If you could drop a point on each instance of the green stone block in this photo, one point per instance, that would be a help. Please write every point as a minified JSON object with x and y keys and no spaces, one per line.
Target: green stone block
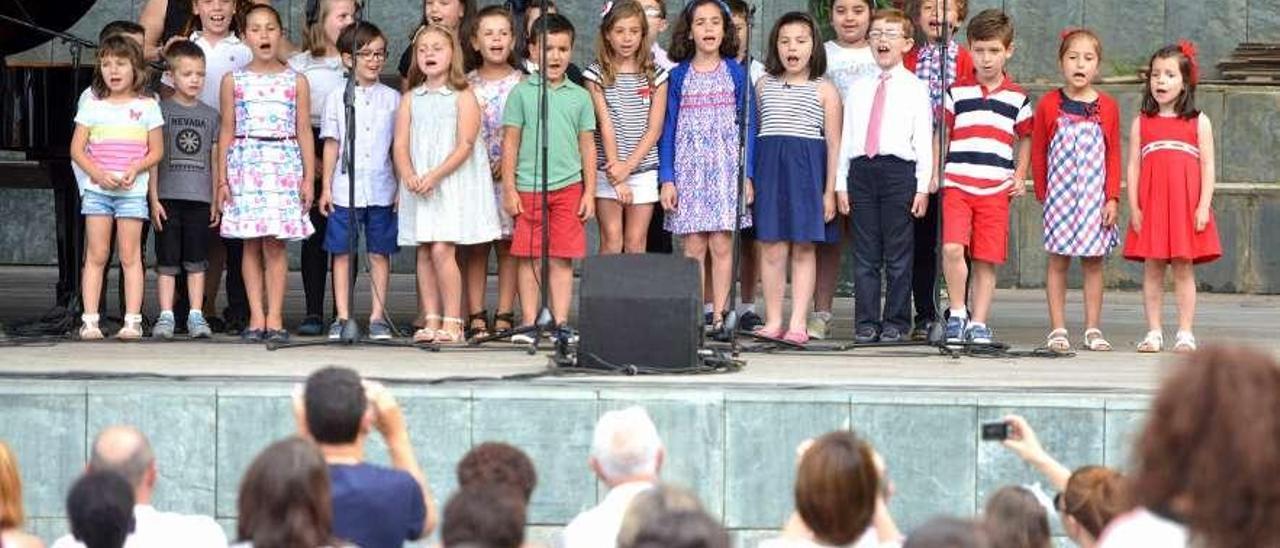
{"x":246,"y":425}
{"x":46,"y":433}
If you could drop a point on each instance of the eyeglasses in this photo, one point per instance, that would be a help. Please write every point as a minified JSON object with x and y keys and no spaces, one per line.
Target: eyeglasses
{"x":885,"y":34}
{"x":380,"y":55}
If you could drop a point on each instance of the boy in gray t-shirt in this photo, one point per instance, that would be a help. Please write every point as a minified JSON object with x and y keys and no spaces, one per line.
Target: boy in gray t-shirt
{"x":182,"y":208}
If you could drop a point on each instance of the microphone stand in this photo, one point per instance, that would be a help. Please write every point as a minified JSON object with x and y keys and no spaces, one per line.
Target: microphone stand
{"x":351,"y":335}
{"x":937,"y":333}
{"x":729,"y":315}
{"x":545,"y":322}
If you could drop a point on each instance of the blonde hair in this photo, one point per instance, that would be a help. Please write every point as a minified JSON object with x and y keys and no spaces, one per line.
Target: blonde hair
{"x":457,"y":79}
{"x":11,"y":515}
{"x":604,"y":50}
{"x":313,"y":40}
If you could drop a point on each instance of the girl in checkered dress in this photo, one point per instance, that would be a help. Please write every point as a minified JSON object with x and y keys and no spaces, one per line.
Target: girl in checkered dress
{"x":1076,"y":166}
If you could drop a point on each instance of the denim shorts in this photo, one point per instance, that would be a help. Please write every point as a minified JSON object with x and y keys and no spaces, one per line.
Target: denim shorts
{"x":120,"y":207}
{"x":380,"y":228}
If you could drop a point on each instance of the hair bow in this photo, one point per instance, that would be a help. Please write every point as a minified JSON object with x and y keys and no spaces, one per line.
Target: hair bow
{"x":1188,"y":49}
{"x":608,"y":6}
{"x":1067,"y":32}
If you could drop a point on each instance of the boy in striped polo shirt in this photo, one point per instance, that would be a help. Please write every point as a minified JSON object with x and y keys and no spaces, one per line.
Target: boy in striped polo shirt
{"x":986,"y":164}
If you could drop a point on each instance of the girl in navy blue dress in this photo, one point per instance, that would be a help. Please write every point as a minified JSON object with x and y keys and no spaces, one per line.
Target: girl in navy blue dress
{"x":795,"y":169}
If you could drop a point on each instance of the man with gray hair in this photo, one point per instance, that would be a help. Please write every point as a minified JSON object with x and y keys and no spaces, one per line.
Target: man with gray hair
{"x":626,"y":454}
{"x":126,"y":451}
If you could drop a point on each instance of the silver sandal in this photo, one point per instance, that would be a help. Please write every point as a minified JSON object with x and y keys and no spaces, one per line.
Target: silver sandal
{"x":1152,"y":343}
{"x":1093,"y":340}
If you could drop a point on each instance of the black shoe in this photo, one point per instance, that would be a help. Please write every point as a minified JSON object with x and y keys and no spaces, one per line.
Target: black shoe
{"x":708,"y":319}
{"x":251,"y":335}
{"x":749,"y":322}
{"x":311,"y":326}
{"x":866,"y":335}
{"x":216,"y":324}
{"x":921,"y":332}
{"x":891,"y":335}
{"x":276,"y":336}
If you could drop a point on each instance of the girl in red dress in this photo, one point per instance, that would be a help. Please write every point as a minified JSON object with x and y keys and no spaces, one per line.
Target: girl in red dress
{"x":1171,"y":217}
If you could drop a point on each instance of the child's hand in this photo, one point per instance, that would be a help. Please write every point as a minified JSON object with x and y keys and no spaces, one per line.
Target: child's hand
{"x":618,"y":171}
{"x":428,"y":184}
{"x":1017,"y":189}
{"x":223,"y":199}
{"x":395,"y":202}
{"x":215,"y":214}
{"x":668,"y":196}
{"x":511,"y":203}
{"x":1202,"y":218}
{"x":126,"y":179}
{"x":158,"y":215}
{"x":104,"y":179}
{"x":326,"y":203}
{"x":1135,"y":219}
{"x":748,"y":192}
{"x":828,"y":206}
{"x":306,"y":197}
{"x":920,"y":205}
{"x":625,"y":196}
{"x":842,"y":202}
{"x":587,"y":208}
{"x":933,"y":184}
{"x":1109,"y":213}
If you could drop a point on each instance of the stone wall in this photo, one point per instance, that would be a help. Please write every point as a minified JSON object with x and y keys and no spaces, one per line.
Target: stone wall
{"x":734,"y":447}
{"x":1130,"y":30}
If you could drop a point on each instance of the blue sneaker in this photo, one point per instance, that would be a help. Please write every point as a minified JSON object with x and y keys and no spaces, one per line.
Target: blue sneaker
{"x":978,"y":334}
{"x":955,"y":329}
{"x":163,"y":329}
{"x":335,"y":330}
{"x":311,"y":326}
{"x":379,"y":330}
{"x":197,"y":326}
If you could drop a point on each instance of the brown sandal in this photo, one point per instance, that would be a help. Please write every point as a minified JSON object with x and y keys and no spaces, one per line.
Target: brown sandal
{"x":450,"y":335}
{"x":476,"y":331}
{"x":508,"y":318}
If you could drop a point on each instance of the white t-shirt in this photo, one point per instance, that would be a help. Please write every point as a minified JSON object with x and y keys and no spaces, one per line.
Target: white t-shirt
{"x":756,"y":71}
{"x":324,"y":76}
{"x":376,"y":120}
{"x":847,"y":65}
{"x":1142,"y":528}
{"x":599,"y":526}
{"x":867,"y":540}
{"x":155,"y":529}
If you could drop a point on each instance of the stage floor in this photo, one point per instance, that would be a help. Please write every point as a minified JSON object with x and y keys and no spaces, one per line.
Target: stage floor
{"x":25,"y":292}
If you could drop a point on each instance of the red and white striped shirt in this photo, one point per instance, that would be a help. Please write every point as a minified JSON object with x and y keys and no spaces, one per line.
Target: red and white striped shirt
{"x":985,"y":126}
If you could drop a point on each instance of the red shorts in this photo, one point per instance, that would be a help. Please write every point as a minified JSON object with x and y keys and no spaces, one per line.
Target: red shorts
{"x":980,"y":223}
{"x":566,"y":233}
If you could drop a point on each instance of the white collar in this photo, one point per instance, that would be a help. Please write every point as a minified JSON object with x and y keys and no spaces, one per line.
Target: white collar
{"x":231,"y":38}
{"x":424,"y":90}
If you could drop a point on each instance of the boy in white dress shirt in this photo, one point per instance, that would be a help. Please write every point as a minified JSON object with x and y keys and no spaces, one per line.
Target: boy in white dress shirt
{"x":375,"y":182}
{"x":885,"y":158}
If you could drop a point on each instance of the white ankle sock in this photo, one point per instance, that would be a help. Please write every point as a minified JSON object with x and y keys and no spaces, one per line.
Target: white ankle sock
{"x":963,"y":313}
{"x":90,"y":319}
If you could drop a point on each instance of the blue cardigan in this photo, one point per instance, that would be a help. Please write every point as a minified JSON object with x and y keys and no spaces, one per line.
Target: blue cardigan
{"x":675,"y":90}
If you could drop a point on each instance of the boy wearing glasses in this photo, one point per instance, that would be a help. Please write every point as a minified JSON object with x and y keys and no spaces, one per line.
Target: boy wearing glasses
{"x":375,"y":181}
{"x":885,"y":157}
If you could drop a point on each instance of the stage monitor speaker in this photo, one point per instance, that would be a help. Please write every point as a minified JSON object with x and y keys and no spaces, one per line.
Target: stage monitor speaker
{"x":642,"y":311}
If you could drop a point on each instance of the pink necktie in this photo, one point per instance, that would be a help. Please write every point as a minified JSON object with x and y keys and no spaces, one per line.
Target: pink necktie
{"x":877,"y":112}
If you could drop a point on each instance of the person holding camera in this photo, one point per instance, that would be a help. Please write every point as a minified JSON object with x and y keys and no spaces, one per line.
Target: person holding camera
{"x":373,"y":506}
{"x":1089,"y":497}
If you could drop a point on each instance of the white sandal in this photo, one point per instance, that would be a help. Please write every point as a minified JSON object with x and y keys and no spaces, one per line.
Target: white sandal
{"x":1058,"y":341}
{"x":1184,"y":341}
{"x":1093,"y":340}
{"x":1152,"y":343}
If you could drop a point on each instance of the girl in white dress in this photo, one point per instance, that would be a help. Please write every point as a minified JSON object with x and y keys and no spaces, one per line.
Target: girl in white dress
{"x":446,"y":189}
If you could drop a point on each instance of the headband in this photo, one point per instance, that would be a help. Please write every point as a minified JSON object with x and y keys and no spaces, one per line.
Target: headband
{"x":1188,"y":49}
{"x":723,"y":6}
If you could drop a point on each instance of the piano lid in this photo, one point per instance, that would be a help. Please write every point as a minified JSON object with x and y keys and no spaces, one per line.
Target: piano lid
{"x":57,"y":15}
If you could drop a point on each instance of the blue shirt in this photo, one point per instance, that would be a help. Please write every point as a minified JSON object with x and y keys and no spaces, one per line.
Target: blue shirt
{"x":375,"y":506}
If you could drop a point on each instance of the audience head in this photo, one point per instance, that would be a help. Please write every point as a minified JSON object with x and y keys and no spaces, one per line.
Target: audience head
{"x":1015,"y":519}
{"x":836,"y":487}
{"x":100,"y":509}
{"x":626,"y":447}
{"x":1094,"y":496}
{"x":1208,"y":452}
{"x":498,"y":463}
{"x":484,"y":516}
{"x":125,"y":450}
{"x":337,"y":410}
{"x":11,"y":514}
{"x":682,"y":529}
{"x":284,"y":497}
{"x":947,"y":532}
{"x":649,"y":505}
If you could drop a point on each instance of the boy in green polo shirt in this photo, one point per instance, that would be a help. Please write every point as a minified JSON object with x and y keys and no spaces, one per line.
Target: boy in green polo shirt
{"x":570,"y":177}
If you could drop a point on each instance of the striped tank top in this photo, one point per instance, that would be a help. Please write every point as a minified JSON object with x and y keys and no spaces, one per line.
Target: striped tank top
{"x":628,"y":101}
{"x":790,"y":110}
